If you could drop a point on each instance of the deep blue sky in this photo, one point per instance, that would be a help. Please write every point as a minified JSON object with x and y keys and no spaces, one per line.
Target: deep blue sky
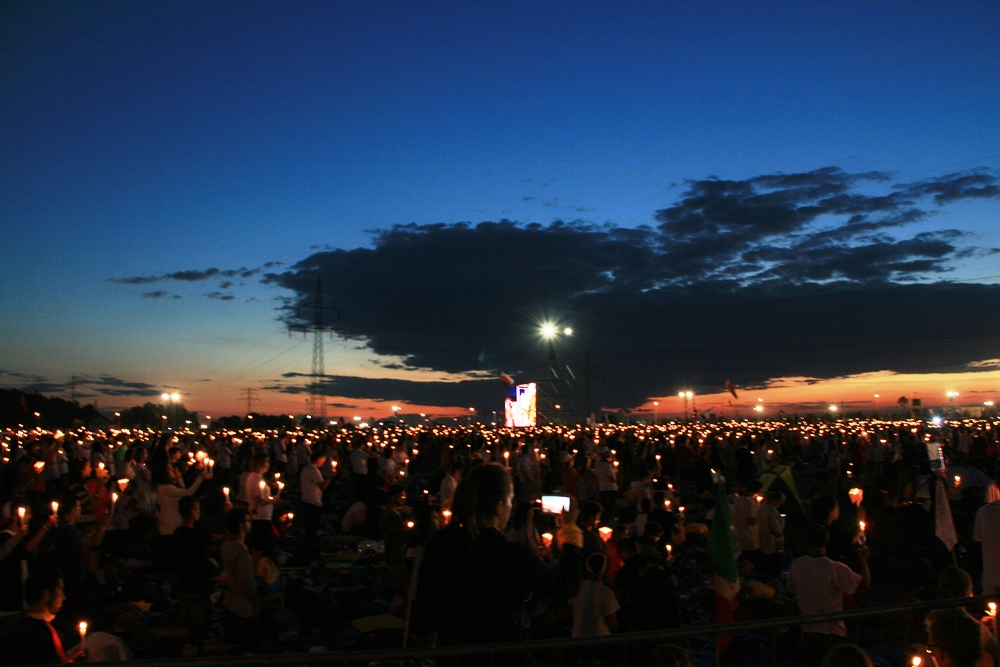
{"x":145,"y":139}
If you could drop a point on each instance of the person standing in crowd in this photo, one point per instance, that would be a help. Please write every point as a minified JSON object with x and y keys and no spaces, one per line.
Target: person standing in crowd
{"x":986,"y":531}
{"x":771,"y":534}
{"x":819,"y":585}
{"x":746,"y":507}
{"x":169,"y":493}
{"x":449,"y":484}
{"x":260,"y":504}
{"x":311,"y":487}
{"x":473,"y":583}
{"x":242,"y":603}
{"x":595,"y":607}
{"x":607,"y":482}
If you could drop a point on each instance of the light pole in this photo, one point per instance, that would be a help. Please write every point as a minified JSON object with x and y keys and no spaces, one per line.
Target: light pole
{"x":687,"y":396}
{"x":656,"y":412}
{"x":878,"y":405}
{"x":952,"y":395}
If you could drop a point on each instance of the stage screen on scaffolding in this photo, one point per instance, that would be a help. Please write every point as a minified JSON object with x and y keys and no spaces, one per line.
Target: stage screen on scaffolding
{"x":519,"y":406}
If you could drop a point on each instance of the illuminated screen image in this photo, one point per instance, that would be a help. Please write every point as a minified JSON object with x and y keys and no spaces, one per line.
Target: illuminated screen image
{"x":519,"y":406}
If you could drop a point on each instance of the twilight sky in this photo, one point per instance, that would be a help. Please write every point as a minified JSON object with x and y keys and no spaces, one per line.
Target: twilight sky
{"x":802,"y":198}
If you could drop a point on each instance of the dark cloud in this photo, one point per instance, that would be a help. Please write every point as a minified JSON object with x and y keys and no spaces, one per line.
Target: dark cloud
{"x":190,"y":276}
{"x":220,"y":296}
{"x":779,"y":275}
{"x":159,"y":294}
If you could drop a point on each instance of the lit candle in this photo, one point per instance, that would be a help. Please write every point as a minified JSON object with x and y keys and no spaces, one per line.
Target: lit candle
{"x":114,"y":499}
{"x":100,"y":465}
{"x":83,"y":632}
{"x":992,"y":609}
{"x":39,"y":465}
{"x":55,"y":506}
{"x":916,"y":662}
{"x":410,"y":524}
{"x":605,"y":532}
{"x":225,"y":492}
{"x":856,"y":495}
{"x":20,"y":517}
{"x":446,"y":515}
{"x":291,"y":515}
{"x":263,"y":486}
{"x":547,"y":539}
{"x":861,"y":526}
{"x":670,"y":551}
{"x":958,"y":480}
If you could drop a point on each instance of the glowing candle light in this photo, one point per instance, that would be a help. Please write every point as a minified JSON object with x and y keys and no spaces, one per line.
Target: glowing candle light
{"x":992,"y":609}
{"x":446,"y":515}
{"x":122,"y":484}
{"x":225,"y":492}
{"x":547,"y":539}
{"x":39,"y":465}
{"x":670,"y":551}
{"x":410,"y":524}
{"x":856,"y":495}
{"x":291,"y":515}
{"x":114,"y":499}
{"x":861,"y":526}
{"x":958,"y":480}
{"x":83,"y":631}
{"x":20,"y":517}
{"x":55,"y":506}
{"x":605,"y":532}
{"x":916,"y":662}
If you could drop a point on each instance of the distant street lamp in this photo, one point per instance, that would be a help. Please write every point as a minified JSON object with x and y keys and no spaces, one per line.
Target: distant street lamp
{"x":656,"y":412}
{"x":687,"y":396}
{"x":878,"y":405}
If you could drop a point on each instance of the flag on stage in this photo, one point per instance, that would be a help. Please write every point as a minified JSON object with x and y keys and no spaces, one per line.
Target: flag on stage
{"x":731,"y":388}
{"x":722,"y":552}
{"x":944,"y":525}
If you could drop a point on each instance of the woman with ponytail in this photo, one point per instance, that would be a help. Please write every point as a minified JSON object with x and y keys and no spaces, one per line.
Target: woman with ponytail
{"x":473,"y":584}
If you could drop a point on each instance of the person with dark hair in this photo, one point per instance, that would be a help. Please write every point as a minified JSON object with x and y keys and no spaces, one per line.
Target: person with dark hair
{"x":19,"y":540}
{"x":169,"y":492}
{"x":472,"y":584}
{"x":242,"y":603}
{"x":955,"y":638}
{"x":311,"y":488}
{"x":647,"y":589}
{"x":35,"y":640}
{"x":771,"y":531}
{"x":819,"y":585}
{"x":589,"y":520}
{"x":260,"y":504}
{"x":595,"y":606}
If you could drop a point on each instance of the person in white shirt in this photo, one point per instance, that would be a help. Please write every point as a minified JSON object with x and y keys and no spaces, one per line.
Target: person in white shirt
{"x":311,"y":487}
{"x":449,"y":484}
{"x":260,"y":504}
{"x":746,"y":506}
{"x":819,"y":585}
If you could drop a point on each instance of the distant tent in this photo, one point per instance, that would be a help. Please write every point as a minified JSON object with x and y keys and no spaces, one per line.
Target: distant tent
{"x":779,"y":478}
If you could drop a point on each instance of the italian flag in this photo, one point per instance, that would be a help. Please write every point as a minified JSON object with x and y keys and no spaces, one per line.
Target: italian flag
{"x":722,"y":551}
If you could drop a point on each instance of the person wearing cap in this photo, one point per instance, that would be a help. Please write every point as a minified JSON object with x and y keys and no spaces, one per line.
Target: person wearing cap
{"x":568,"y":477}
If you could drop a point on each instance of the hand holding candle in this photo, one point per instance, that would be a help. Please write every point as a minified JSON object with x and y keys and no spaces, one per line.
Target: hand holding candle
{"x":861,"y":535}
{"x":20,"y":517}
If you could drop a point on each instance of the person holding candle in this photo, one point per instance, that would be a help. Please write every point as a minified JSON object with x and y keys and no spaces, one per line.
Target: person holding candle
{"x":955,"y":638}
{"x":819,"y":585}
{"x":35,"y":640}
{"x":260,"y":504}
{"x":450,"y":483}
{"x":311,"y":488}
{"x":17,"y":547}
{"x":242,"y":603}
{"x":169,"y":493}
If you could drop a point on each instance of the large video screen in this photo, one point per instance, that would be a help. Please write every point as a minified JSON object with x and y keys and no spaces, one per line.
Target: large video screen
{"x":519,"y":406}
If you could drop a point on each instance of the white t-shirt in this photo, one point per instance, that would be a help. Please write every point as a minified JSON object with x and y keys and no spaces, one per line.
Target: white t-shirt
{"x":309,"y":481}
{"x":256,"y":494}
{"x":819,"y":585}
{"x":986,"y":530}
{"x":591,"y":608}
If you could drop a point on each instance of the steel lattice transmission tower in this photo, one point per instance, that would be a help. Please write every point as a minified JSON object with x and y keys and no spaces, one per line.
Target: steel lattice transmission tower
{"x":317,"y":326}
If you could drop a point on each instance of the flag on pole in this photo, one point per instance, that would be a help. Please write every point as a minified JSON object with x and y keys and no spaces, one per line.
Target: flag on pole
{"x":944,"y":525}
{"x":731,"y":388}
{"x":722,"y":552}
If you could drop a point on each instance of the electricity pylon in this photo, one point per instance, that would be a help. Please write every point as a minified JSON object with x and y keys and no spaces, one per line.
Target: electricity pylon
{"x":317,"y":327}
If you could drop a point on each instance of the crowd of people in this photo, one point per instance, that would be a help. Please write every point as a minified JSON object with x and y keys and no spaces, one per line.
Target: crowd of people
{"x":125,"y":542}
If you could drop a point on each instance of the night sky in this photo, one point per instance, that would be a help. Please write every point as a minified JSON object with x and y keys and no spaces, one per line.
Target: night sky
{"x":801,"y":198}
